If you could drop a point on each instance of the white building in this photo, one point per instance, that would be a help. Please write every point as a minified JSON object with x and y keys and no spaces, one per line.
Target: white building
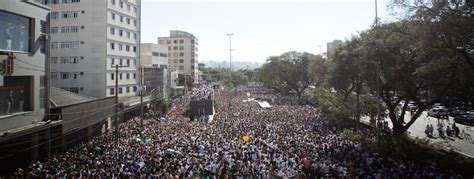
{"x":153,"y":55}
{"x":183,"y":52}
{"x":88,"y":37}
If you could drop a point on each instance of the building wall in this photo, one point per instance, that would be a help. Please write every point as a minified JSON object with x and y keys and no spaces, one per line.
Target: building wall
{"x":100,"y":26}
{"x":28,"y":70}
{"x":182,"y":52}
{"x":153,"y":55}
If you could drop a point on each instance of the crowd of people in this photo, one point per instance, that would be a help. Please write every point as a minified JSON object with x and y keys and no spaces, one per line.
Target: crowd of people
{"x":284,"y":140}
{"x":202,"y":92}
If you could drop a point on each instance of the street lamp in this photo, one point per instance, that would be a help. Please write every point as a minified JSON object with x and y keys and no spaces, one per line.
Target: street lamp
{"x":230,"y":50}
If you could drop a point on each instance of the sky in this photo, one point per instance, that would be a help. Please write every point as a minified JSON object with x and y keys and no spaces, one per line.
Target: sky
{"x":261,"y":28}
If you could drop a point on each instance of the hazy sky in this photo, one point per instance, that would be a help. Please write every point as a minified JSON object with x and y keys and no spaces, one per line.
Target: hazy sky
{"x":261,"y":28}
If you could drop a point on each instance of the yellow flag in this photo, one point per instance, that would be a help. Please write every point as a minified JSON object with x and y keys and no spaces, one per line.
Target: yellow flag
{"x":245,"y":138}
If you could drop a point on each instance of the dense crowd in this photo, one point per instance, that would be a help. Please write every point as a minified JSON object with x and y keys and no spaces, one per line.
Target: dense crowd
{"x":285,"y":140}
{"x":201,"y":92}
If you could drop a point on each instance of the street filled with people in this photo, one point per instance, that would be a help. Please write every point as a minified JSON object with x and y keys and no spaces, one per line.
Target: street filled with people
{"x":243,"y":140}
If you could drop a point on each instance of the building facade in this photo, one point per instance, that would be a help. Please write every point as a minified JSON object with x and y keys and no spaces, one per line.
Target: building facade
{"x":153,"y":55}
{"x":182,"y":52}
{"x":331,"y":46}
{"x":22,"y":46}
{"x":89,"y":38}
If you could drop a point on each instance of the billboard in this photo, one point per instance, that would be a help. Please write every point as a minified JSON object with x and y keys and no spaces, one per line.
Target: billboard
{"x":14,"y":33}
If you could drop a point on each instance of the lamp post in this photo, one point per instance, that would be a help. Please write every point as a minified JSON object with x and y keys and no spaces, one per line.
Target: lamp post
{"x":320,"y":51}
{"x":230,"y":50}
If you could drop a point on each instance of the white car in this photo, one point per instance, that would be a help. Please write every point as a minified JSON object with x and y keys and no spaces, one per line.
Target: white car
{"x":439,"y":111}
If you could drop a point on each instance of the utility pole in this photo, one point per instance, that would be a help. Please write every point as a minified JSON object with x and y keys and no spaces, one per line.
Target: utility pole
{"x":320,"y":51}
{"x":117,"y":121}
{"x":142,"y":90}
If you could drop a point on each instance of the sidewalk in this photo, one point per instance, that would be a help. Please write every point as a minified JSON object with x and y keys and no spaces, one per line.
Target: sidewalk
{"x":417,"y":131}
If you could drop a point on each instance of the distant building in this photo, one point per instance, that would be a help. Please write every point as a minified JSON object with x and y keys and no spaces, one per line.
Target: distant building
{"x":333,"y":45}
{"x":182,"y":52}
{"x":88,"y":37}
{"x":155,"y":80}
{"x":153,"y":55}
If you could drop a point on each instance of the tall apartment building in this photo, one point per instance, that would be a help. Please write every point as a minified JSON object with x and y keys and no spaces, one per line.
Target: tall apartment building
{"x":182,"y":52}
{"x":88,"y":38}
{"x":331,"y":46}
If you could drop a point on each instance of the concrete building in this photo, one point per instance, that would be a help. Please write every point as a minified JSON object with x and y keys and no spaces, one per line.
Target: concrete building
{"x":182,"y":52}
{"x":332,"y":45}
{"x":22,"y":87}
{"x":88,"y":38}
{"x":153,"y":55}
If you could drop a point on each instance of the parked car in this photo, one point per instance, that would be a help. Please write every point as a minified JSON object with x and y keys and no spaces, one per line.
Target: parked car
{"x":454,"y":112}
{"x":439,"y":111}
{"x":467,"y":118}
{"x":412,"y":106}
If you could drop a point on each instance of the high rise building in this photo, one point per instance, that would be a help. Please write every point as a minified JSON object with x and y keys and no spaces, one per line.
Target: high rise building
{"x":90,"y":37}
{"x":332,"y":45}
{"x":153,"y":55}
{"x":182,"y":52}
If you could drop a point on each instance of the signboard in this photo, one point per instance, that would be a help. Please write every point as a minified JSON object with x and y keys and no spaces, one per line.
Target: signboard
{"x":14,"y":33}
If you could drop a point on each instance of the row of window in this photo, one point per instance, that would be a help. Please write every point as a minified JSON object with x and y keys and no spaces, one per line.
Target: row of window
{"x":158,"y":54}
{"x":176,"y":60}
{"x":122,"y":33}
{"x":65,"y":75}
{"x":123,"y":18}
{"x":70,"y":44}
{"x":176,"y":48}
{"x":123,"y":75}
{"x":121,"y":47}
{"x":63,"y":1}
{"x":66,"y":60}
{"x":129,"y":6}
{"x":120,"y":62}
{"x":162,"y":42}
{"x":66,"y":14}
{"x":120,"y":90}
{"x":65,"y":29}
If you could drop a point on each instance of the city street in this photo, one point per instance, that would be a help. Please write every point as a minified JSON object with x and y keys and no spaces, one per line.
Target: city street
{"x":417,"y":131}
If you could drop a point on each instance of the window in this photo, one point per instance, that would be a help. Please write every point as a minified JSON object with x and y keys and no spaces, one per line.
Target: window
{"x":113,"y":16}
{"x":128,"y":34}
{"x":134,"y":49}
{"x":74,"y":60}
{"x":181,"y":47}
{"x":121,"y":4}
{"x":128,"y":7}
{"x":65,"y":29}
{"x":120,"y":33}
{"x":128,"y":63}
{"x":168,"y":42}
{"x":127,"y":48}
{"x":134,"y":63}
{"x":181,"y":67}
{"x":128,"y":76}
{"x":54,"y":30}
{"x":54,"y":44}
{"x":70,"y":14}
{"x":112,"y":76}
{"x":120,"y":76}
{"x":54,"y":75}
{"x":54,"y":60}
{"x":134,"y":23}
{"x":119,"y":90}
{"x":112,"y":46}
{"x":112,"y":31}
{"x":175,"y":48}
{"x":134,"y":88}
{"x":64,"y":44}
{"x":121,"y":62}
{"x":161,"y":42}
{"x":127,"y":90}
{"x":112,"y":91}
{"x":112,"y":61}
{"x":181,"y":60}
{"x":65,"y":75}
{"x":120,"y":47}
{"x":128,"y":20}
{"x":74,"y":29}
{"x":64,"y":60}
{"x":134,"y":35}
{"x":134,"y":76}
{"x":121,"y":18}
{"x":181,"y":41}
{"x":175,"y":54}
{"x":175,"y":61}
{"x":175,"y":41}
{"x":135,"y":9}
{"x":169,"y":48}
{"x":74,"y":44}
{"x":113,"y":2}
{"x":54,"y":15}
{"x":75,"y":76}
{"x":181,"y":54}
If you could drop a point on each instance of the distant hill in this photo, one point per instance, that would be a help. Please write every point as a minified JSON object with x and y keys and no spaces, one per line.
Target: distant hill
{"x":235,"y":65}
